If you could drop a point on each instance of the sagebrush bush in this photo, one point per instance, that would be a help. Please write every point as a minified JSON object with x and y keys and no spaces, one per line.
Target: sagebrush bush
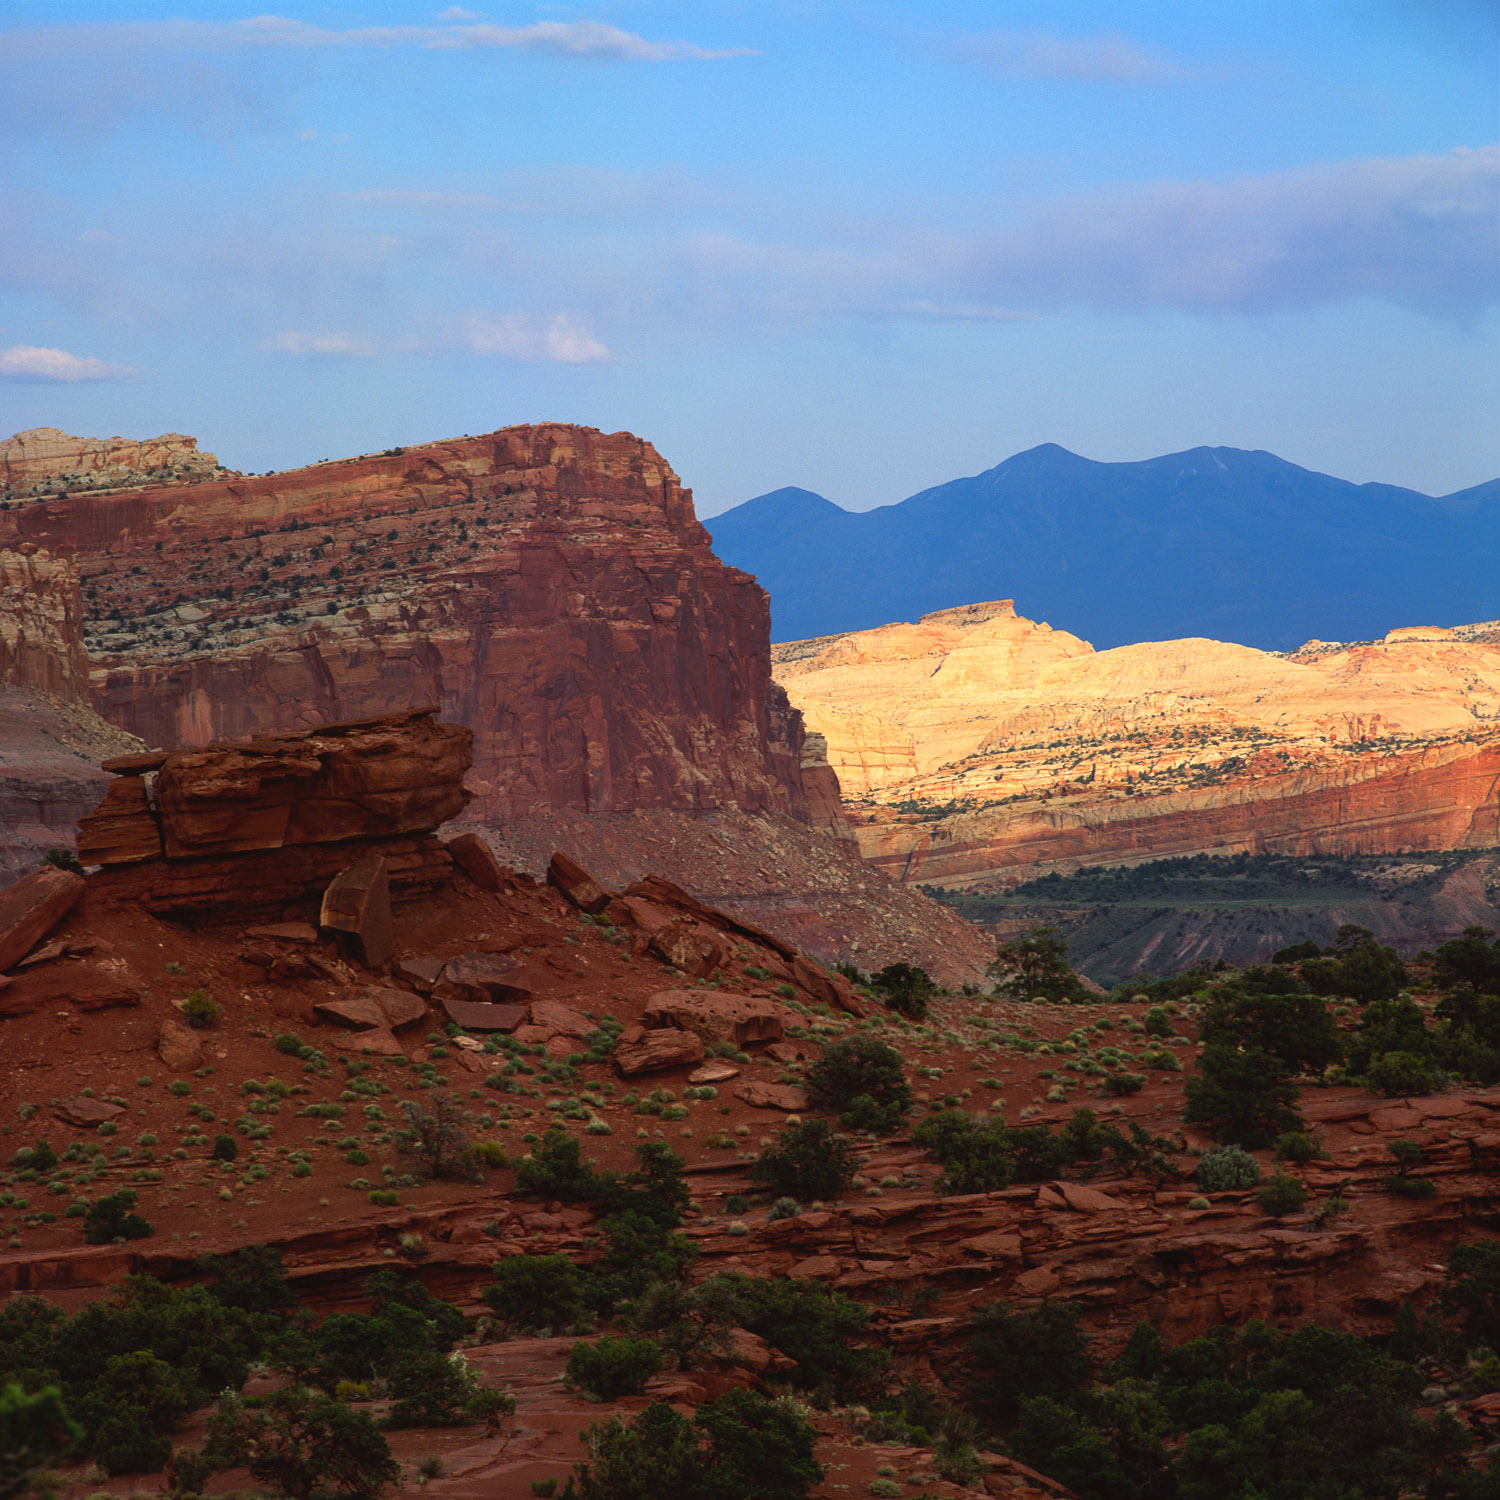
{"x":1228,"y":1169}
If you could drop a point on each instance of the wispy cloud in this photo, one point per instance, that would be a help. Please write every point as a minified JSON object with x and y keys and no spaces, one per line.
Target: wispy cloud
{"x":963,"y":312}
{"x":1417,"y":231}
{"x":56,"y":366}
{"x":582,"y":39}
{"x":1104,"y":57}
{"x":293,"y":341}
{"x":562,"y":338}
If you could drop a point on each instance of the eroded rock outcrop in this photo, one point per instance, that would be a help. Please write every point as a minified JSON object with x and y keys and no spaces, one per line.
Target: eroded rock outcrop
{"x":239,"y":831}
{"x":46,"y":459}
{"x":548,"y":586}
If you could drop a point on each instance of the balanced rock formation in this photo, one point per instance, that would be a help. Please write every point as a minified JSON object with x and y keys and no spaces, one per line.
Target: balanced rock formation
{"x":975,"y":745}
{"x":48,"y":460}
{"x":243,"y":831}
{"x":548,"y":586}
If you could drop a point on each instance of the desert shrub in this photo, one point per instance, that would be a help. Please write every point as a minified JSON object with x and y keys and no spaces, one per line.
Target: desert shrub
{"x":491,"y":1154}
{"x":1281,"y":1194}
{"x":782,"y":1208}
{"x":225,"y":1148}
{"x":1124,"y":1083}
{"x":1401,"y":1073}
{"x":1229,"y":1169}
{"x":1297,"y":1146}
{"x":62,"y":859}
{"x":40,"y":1157}
{"x":109,"y":1219}
{"x":532,"y":1292}
{"x":863,"y":1081}
{"x":685,"y":1321}
{"x":436,"y":1140}
{"x":441,"y":1390}
{"x":807,"y":1161}
{"x":613,"y":1367}
{"x":1158,"y":1022}
{"x":199,"y":1009}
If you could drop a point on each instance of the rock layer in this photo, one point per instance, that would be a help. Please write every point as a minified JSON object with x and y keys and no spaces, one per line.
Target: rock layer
{"x":549,"y":586}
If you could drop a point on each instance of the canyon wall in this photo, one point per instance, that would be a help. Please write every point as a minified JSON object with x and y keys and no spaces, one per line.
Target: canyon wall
{"x":976,"y":748}
{"x":51,"y":741}
{"x":548,"y":586}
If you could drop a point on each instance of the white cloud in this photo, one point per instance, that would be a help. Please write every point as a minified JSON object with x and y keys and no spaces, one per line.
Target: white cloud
{"x":1106,"y":57}
{"x":561,"y":338}
{"x":27,"y":362}
{"x":293,"y":341}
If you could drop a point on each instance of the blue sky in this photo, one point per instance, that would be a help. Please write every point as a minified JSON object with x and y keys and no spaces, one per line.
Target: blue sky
{"x":860,"y":247}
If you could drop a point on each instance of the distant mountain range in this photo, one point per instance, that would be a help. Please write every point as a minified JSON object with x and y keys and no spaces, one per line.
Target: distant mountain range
{"x":1220,"y":542}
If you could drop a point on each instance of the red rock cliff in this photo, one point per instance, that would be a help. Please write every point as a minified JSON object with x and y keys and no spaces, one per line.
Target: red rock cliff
{"x":549,"y":586}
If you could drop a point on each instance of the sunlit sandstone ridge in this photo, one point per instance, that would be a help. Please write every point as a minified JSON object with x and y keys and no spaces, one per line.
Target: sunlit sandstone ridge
{"x":47,"y":460}
{"x":977,"y":746}
{"x":547,"y":585}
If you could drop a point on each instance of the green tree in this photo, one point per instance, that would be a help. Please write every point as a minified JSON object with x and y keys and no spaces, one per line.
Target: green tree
{"x":906,"y":989}
{"x":532,"y":1292}
{"x":309,"y":1446}
{"x":35,"y":1431}
{"x":1035,"y":967}
{"x":1017,"y":1355}
{"x":1245,"y":1094}
{"x":613,"y":1367}
{"x":863,"y":1081}
{"x":807,"y":1161}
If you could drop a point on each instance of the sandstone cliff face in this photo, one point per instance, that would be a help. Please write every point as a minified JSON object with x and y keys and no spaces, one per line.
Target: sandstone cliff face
{"x":47,"y":459}
{"x":976,"y":746}
{"x":548,"y":586}
{"x":41,"y":624}
{"x":51,"y":741}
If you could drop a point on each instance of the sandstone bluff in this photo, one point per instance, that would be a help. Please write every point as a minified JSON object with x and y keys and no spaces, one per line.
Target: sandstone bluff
{"x":975,"y":745}
{"x":547,"y":585}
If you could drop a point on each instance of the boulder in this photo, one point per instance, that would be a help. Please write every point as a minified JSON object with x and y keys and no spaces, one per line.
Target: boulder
{"x":85,"y":1112}
{"x":179,"y":1046}
{"x":691,"y":946}
{"x":31,"y":908}
{"x":771,"y":1096}
{"x":374,"y":1005}
{"x":714,"y":1072}
{"x":663,"y":1048}
{"x":357,"y":910}
{"x":477,"y":860}
{"x":560,"y":1020}
{"x":476,"y":1015}
{"x":716,"y":1015}
{"x":420,"y":973}
{"x":481,"y":976}
{"x":565,"y":874}
{"x":379,"y":1041}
